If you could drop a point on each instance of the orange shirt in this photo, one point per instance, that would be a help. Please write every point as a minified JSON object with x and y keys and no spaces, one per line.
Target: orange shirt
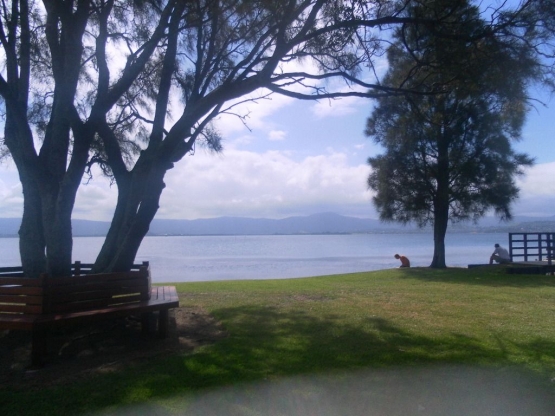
{"x":405,"y":262}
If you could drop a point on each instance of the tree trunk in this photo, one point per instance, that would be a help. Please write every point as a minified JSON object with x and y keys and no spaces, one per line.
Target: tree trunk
{"x":138,"y":202}
{"x":58,"y":236}
{"x":31,"y":234}
{"x":45,"y":237}
{"x":441,"y":199}
{"x":440,"y":228}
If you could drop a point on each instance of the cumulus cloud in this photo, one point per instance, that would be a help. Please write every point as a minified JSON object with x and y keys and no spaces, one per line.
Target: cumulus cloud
{"x":277,"y":135}
{"x":11,"y":197}
{"x":251,"y":111}
{"x":538,"y":181}
{"x":537,"y":191}
{"x":96,"y":200}
{"x":339,"y":107}
{"x":272,"y":185}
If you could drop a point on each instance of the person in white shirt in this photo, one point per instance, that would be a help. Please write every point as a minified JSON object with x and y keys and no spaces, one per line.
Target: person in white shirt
{"x":500,"y":255}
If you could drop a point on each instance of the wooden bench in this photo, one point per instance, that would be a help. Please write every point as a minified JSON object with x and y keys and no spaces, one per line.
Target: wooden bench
{"x":41,"y":304}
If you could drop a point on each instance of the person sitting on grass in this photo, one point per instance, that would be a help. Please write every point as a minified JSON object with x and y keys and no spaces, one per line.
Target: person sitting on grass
{"x":500,"y":255}
{"x":405,"y":262}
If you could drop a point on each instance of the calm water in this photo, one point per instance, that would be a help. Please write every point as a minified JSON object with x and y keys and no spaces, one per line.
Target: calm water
{"x":182,"y":259}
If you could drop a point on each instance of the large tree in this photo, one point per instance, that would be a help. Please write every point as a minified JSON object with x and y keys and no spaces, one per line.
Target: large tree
{"x":448,"y":155}
{"x":95,"y":82}
{"x":90,"y":82}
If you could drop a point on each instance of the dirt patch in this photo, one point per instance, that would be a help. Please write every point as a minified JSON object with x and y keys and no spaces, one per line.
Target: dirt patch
{"x":107,"y":346}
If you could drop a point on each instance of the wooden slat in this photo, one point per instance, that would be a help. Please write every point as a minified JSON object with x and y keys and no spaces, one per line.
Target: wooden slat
{"x":28,"y":299}
{"x":95,"y":278}
{"x":168,"y":293}
{"x":93,"y":304}
{"x":93,"y":294}
{"x":164,"y":294}
{"x":19,"y":290}
{"x":129,"y":284}
{"x":22,"y":281}
{"x":20,"y":308}
{"x":54,"y":319}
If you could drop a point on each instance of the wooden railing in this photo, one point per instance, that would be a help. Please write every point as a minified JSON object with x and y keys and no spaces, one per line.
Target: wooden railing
{"x":532,"y":246}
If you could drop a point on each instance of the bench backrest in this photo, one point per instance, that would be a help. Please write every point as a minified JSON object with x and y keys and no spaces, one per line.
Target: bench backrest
{"x":96,"y":291}
{"x":73,"y":294}
{"x":21,"y":295}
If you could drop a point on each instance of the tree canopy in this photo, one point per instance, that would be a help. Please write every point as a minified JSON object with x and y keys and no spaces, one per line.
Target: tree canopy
{"x":448,"y":155}
{"x":131,"y":86}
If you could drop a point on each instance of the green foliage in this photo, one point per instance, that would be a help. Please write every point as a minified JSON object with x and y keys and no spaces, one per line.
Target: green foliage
{"x":449,"y":152}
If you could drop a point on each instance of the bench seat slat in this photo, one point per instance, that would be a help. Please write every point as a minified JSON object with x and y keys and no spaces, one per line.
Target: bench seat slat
{"x":165,"y":293}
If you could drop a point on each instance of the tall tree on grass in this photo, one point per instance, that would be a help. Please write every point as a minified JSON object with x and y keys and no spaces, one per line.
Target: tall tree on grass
{"x":448,"y":155}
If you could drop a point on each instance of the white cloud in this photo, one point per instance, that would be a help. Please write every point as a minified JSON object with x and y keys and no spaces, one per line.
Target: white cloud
{"x":11,"y":199}
{"x":277,"y":135}
{"x":271,"y":184}
{"x":253,"y":113}
{"x":339,"y":107}
{"x":96,"y":200}
{"x":538,"y":181}
{"x":537,"y":191}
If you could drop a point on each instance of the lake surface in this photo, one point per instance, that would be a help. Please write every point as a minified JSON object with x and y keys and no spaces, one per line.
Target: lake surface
{"x":204,"y":258}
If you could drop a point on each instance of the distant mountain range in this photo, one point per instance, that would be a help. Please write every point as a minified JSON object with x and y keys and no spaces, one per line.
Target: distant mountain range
{"x":325,"y":223}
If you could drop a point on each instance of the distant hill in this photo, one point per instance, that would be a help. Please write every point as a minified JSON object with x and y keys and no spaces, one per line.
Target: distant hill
{"x":9,"y":227}
{"x":325,"y":223}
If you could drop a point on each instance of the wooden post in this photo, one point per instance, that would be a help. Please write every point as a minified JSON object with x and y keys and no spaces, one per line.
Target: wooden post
{"x":77,"y":268}
{"x":145,"y":323}
{"x":511,"y":246}
{"x":38,"y":346}
{"x":145,"y":269}
{"x":163,"y":321}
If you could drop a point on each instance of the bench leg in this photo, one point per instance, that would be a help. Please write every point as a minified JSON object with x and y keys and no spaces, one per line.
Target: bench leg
{"x":145,"y":320}
{"x":38,"y":347}
{"x":163,"y":320}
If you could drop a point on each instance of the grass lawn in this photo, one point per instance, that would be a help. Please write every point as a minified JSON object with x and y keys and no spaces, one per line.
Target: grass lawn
{"x":367,"y":340}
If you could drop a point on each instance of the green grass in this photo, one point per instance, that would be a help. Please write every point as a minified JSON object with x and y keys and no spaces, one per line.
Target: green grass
{"x":391,"y":319}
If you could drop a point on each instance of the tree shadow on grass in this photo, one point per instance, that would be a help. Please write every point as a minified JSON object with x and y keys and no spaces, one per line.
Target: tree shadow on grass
{"x":266,"y":343}
{"x":492,"y":277}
